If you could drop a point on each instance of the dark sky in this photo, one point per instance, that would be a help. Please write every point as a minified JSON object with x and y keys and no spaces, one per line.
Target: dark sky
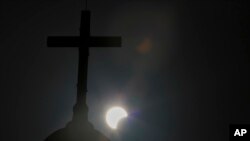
{"x":182,"y":72}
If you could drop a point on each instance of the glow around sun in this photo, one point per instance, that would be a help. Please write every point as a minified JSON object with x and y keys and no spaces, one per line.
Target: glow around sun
{"x":114,"y":115}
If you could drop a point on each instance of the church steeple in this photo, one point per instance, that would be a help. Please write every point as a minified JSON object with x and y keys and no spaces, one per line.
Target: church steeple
{"x":80,"y":128}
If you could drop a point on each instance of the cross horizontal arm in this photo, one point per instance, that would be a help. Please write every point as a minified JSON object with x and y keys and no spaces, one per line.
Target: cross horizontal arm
{"x":77,"y":41}
{"x":105,"y":41}
{"x":63,"y":41}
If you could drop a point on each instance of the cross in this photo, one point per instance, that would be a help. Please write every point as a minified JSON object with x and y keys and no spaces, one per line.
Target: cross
{"x":83,"y":42}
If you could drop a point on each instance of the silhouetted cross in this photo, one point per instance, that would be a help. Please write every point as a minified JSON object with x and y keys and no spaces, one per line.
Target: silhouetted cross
{"x":84,"y":41}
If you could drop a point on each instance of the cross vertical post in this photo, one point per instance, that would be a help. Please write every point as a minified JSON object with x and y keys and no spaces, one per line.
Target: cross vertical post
{"x":83,"y":60}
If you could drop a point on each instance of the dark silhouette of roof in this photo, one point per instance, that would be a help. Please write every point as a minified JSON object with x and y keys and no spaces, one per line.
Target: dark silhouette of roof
{"x":77,"y":132}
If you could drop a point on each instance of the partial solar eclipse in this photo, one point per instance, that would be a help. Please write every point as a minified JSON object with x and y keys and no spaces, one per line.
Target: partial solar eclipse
{"x":114,"y":115}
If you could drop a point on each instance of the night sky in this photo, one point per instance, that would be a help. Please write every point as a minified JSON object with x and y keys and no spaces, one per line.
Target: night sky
{"x":182,"y":72}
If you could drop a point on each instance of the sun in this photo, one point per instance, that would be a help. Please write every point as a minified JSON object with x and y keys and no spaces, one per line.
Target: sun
{"x":114,"y":115}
